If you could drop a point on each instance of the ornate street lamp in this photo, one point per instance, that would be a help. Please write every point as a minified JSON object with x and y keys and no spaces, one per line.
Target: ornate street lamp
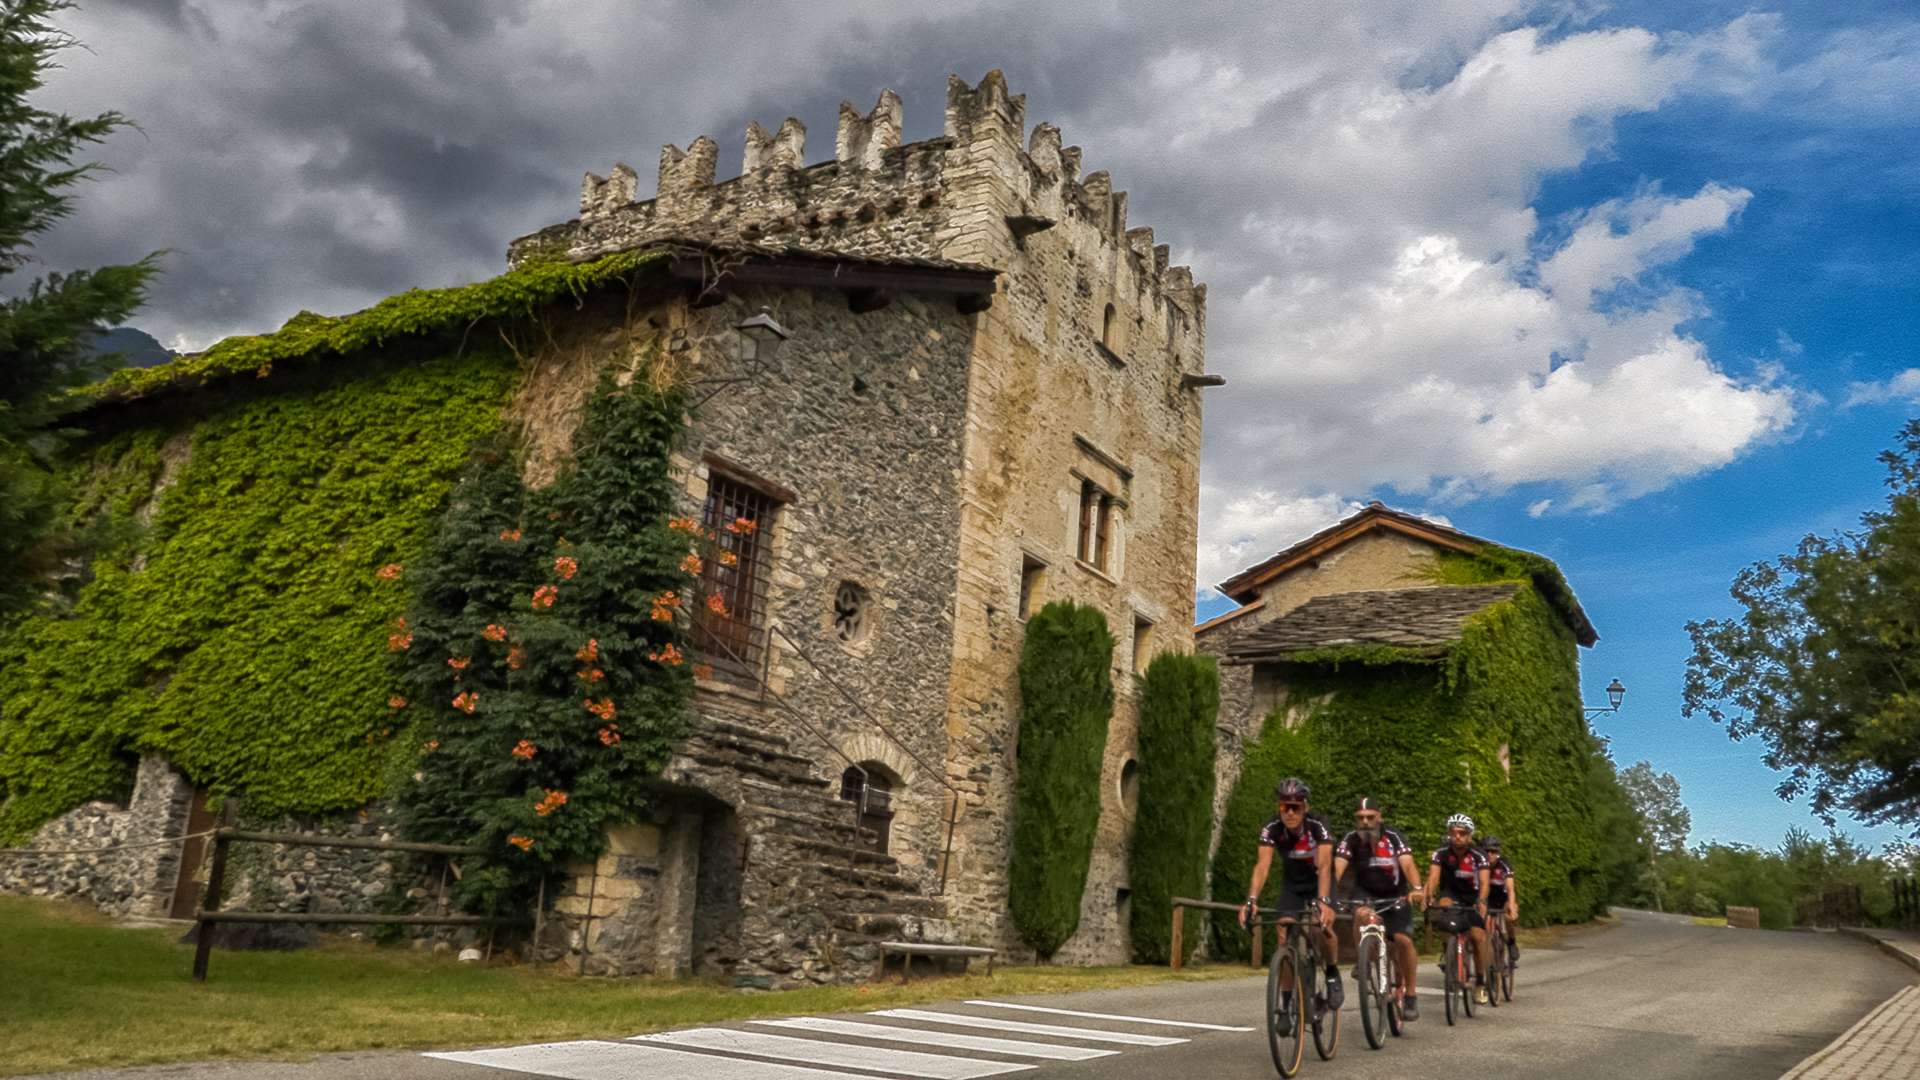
{"x":1616,"y":693}
{"x":760,"y":339}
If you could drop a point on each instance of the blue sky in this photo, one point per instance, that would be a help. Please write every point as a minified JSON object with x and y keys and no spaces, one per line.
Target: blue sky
{"x":1633,"y":285}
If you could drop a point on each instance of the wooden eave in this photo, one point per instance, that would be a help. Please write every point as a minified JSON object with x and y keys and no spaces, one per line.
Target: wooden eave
{"x":869,"y":285}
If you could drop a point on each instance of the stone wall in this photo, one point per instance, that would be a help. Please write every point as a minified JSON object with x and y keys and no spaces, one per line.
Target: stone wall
{"x":129,"y":880}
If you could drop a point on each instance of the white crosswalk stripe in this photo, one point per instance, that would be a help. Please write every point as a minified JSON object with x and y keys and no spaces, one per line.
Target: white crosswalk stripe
{"x":995,"y":1023}
{"x":844,"y":1055}
{"x":591,"y":1060}
{"x":950,"y":1039}
{"x":1109,"y":1016}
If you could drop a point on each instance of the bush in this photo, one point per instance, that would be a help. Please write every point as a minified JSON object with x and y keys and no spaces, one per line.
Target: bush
{"x":1179,"y":701}
{"x":1066,"y":693}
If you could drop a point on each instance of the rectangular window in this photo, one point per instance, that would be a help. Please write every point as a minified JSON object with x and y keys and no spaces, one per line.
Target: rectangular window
{"x":1103,"y":535}
{"x":1033,"y":577}
{"x":1089,"y":510}
{"x":1142,"y":644}
{"x":742,"y":518}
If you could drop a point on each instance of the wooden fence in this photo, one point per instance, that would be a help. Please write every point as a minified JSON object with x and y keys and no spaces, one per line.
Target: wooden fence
{"x":1744,"y":918}
{"x":1178,"y":954}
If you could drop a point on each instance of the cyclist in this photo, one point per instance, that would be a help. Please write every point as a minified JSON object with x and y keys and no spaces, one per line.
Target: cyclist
{"x":1501,"y":896}
{"x":1383,"y":870}
{"x":1457,"y":874}
{"x":1306,"y":872}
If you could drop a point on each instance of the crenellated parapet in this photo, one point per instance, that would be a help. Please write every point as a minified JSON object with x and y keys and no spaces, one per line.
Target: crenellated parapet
{"x":986,"y":192}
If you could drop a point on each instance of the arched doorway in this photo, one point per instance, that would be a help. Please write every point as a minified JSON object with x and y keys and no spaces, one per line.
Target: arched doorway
{"x":871,"y":786}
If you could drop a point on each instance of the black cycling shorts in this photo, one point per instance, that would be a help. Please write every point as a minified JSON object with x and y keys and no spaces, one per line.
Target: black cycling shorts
{"x":1304,"y":904}
{"x":1398,"y":920}
{"x":1464,"y":912}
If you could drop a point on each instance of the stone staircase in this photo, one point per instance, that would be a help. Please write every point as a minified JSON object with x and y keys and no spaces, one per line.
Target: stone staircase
{"x":816,"y":899}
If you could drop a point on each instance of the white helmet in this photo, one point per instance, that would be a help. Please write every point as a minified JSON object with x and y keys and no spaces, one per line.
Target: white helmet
{"x":1460,"y":821}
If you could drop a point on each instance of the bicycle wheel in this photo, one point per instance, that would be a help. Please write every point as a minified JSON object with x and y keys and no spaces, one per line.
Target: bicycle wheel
{"x":1284,"y":1035}
{"x":1326,"y":1021}
{"x":1506,"y":976}
{"x":1498,"y":949}
{"x":1463,"y":966}
{"x":1395,"y":1022}
{"x":1372,"y":994}
{"x":1450,"y":978}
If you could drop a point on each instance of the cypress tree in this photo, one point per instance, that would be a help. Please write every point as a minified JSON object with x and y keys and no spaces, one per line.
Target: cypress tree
{"x":1179,"y":702}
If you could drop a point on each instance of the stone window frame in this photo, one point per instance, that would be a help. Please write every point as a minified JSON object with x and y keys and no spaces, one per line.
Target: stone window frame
{"x":1097,"y":528}
{"x":1143,"y":628}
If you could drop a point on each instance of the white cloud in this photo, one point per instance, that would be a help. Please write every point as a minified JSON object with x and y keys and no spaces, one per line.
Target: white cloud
{"x":1902,"y":387}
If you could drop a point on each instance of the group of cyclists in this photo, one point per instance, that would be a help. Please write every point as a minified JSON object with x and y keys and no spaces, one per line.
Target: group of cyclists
{"x":1461,"y":873}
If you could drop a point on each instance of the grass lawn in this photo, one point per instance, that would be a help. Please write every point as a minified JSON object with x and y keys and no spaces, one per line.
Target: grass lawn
{"x":77,"y":992}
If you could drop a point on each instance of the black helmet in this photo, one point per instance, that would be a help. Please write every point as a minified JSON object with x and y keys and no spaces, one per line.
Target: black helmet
{"x":1292,"y":789}
{"x":1491,"y":843}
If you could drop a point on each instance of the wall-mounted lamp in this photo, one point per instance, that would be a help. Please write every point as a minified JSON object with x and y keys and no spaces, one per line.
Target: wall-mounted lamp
{"x":760,"y":338}
{"x":1616,"y":693}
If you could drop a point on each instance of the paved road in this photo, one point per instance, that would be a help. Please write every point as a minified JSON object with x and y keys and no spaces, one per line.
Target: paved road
{"x":1656,"y":997}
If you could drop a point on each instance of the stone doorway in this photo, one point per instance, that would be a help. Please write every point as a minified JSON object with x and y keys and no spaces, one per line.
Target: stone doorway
{"x":876,"y":783}
{"x":715,"y":942}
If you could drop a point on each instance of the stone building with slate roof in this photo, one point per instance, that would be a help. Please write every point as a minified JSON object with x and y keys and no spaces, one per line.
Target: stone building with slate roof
{"x":1366,"y":583}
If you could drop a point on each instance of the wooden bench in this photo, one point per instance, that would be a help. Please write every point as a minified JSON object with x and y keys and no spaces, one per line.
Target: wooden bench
{"x":907,"y":950}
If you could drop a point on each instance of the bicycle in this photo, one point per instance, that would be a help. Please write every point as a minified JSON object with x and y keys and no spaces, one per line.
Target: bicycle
{"x":1298,"y":960}
{"x":1500,"y":982}
{"x":1377,"y":975}
{"x":1454,"y":921}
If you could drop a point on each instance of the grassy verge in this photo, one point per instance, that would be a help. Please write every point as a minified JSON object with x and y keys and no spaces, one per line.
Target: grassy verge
{"x":80,"y":993}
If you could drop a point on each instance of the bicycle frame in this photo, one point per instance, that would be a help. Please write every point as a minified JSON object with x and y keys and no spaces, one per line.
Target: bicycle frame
{"x":1376,"y":928}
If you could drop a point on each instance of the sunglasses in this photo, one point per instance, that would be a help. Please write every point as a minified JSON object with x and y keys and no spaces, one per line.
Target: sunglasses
{"x":1292,"y":807}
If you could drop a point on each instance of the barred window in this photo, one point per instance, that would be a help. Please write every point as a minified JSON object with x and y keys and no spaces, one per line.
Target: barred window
{"x":741,"y":517}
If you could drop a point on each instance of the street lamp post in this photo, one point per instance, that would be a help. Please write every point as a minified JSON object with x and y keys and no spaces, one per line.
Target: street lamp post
{"x":1615,"y":694}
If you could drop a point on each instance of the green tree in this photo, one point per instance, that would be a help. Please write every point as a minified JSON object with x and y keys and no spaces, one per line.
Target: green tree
{"x":1173,"y":830}
{"x":1823,"y":666}
{"x":48,"y":327}
{"x":1066,"y":700}
{"x":1657,"y":797}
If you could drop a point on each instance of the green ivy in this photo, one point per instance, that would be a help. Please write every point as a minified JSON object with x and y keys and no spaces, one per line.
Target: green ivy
{"x":1066,"y":701}
{"x":1179,"y":703}
{"x":1424,"y":739}
{"x":244,"y":640}
{"x":544,"y":653}
{"x":517,"y":294}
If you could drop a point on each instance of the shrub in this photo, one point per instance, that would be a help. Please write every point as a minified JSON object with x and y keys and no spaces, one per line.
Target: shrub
{"x":1066,"y":692}
{"x":1179,"y":702}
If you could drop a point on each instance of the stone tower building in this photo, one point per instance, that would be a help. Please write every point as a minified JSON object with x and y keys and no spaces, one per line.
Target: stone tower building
{"x":989,"y":401}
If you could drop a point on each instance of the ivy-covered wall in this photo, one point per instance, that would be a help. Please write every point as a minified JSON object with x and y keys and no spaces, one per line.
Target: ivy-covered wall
{"x":240,"y":632}
{"x":1424,"y":736}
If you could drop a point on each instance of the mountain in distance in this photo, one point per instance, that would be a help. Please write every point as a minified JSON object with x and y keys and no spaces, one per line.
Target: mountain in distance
{"x":136,"y":347}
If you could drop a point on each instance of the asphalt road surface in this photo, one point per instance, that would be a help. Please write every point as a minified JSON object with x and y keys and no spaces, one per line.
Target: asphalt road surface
{"x":1652,"y":998}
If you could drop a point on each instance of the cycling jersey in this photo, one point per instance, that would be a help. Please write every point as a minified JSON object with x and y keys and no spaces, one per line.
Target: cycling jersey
{"x":1460,"y":873}
{"x":1296,"y":851}
{"x":1499,"y":872}
{"x":1376,"y":867}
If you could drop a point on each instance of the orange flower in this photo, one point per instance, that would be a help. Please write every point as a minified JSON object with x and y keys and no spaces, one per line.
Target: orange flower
{"x":728,"y":558}
{"x":589,"y":652}
{"x":717,"y":604}
{"x":742,"y":526}
{"x":684,"y":525}
{"x":692,"y":565}
{"x":400,"y":623}
{"x":592,"y":674}
{"x":604,"y":708}
{"x":459,"y":663}
{"x":510,"y":535}
{"x":466,"y":701}
{"x":565,"y":567}
{"x":524,"y":843}
{"x":667,"y":655}
{"x":661,"y":613}
{"x":389,"y":572}
{"x":554,"y":801}
{"x":399,"y":642}
{"x":494,"y":632}
{"x":430,"y":746}
{"x":610,"y":735}
{"x":524,"y":750}
{"x":703,"y":671}
{"x":544,"y":596}
{"x":516,"y":658}
{"x":396,"y":702}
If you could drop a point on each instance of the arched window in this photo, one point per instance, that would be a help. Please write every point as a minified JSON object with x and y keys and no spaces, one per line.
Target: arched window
{"x":1106,"y":330}
{"x":873,"y":792}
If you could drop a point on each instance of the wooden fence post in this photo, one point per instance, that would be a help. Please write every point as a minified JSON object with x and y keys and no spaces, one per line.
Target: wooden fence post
{"x":216,"y":880}
{"x":1178,"y":926}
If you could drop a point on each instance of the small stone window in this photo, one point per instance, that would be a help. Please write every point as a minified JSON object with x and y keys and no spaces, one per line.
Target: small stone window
{"x":1107,"y":327}
{"x":1130,"y":786}
{"x":851,"y":612}
{"x":1142,"y":644}
{"x":1033,"y":579}
{"x":1096,"y":526}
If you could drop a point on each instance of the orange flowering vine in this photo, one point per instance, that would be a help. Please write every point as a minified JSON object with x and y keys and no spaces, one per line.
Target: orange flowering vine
{"x":430,"y":746}
{"x":494,"y":632}
{"x":728,"y":558}
{"x":592,"y":675}
{"x":692,"y":565}
{"x":554,"y":801}
{"x":544,"y":596}
{"x":396,"y":702}
{"x":566,"y":567}
{"x":459,"y":663}
{"x":524,"y":843}
{"x":589,"y":652}
{"x":603,"y":708}
{"x":610,"y":735}
{"x":666,"y":654}
{"x":399,"y":642}
{"x":524,"y":750}
{"x":516,"y":658}
{"x":466,"y":701}
{"x":509,"y":535}
{"x":389,"y":572}
{"x":742,"y":526}
{"x":663,"y":606}
{"x":684,"y":525}
{"x":717,"y":604}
